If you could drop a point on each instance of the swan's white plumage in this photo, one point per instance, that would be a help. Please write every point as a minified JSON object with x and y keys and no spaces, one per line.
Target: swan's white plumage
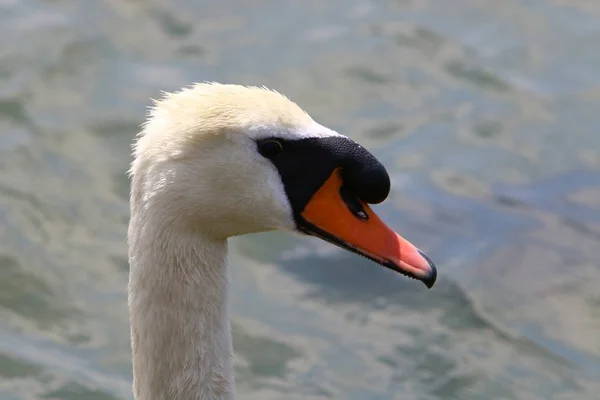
{"x":180,"y":119}
{"x":196,"y":180}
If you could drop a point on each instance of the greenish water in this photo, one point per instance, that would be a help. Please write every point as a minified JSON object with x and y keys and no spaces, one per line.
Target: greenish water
{"x":486,"y":114}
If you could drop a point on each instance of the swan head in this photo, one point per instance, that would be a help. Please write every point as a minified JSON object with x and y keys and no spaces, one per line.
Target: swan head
{"x":227,"y":160}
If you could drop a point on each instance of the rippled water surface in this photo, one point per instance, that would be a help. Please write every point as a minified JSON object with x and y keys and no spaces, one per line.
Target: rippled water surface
{"x":487,"y":114}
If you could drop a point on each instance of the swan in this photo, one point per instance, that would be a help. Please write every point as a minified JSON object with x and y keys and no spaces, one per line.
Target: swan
{"x":214,"y":161}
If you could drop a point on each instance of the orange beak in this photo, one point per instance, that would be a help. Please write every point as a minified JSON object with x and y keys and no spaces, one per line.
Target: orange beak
{"x":329,"y":216}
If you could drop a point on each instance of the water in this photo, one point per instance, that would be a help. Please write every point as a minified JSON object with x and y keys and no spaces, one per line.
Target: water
{"x":486,"y":114}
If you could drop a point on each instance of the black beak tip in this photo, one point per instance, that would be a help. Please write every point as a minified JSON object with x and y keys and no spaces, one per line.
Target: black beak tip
{"x":429,"y":281}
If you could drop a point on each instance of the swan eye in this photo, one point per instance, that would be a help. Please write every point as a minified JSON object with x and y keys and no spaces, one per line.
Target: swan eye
{"x":270,"y":148}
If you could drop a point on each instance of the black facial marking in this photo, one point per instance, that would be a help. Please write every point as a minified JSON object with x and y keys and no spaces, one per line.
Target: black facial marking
{"x":305,"y":164}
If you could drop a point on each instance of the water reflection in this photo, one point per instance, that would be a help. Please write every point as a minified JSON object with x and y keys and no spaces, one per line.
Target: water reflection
{"x":486,"y":115}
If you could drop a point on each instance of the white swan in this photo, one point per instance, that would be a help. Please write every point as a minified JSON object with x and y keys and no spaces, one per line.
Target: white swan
{"x":215,"y":161}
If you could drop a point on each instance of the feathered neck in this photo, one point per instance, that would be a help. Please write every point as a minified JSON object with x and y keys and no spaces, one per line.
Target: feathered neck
{"x":178,"y":303}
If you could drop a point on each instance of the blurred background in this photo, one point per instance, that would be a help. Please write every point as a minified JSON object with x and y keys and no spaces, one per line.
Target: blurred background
{"x":485,"y":112}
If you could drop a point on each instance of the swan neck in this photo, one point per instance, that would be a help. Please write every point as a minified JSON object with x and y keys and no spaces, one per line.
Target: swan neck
{"x":180,"y":328}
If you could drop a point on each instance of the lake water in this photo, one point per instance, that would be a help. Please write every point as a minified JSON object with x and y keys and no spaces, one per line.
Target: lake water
{"x":487,"y":114}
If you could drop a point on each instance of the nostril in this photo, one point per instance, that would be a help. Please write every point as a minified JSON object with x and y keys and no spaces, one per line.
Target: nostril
{"x":353,"y":203}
